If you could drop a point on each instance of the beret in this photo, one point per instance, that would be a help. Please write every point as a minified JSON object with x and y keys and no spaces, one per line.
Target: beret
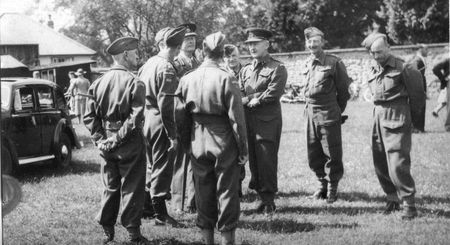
{"x":122,"y":44}
{"x":312,"y":31}
{"x":190,"y":29}
{"x":257,"y":34}
{"x":367,"y":43}
{"x":171,"y":36}
{"x":214,"y":41}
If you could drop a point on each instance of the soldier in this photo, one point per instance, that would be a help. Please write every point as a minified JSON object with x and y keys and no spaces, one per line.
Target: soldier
{"x":326,"y":94}
{"x":219,"y":142}
{"x":114,"y":116}
{"x":231,"y":58}
{"x":442,"y":70}
{"x":160,"y":79}
{"x":398,"y":94}
{"x":419,"y":63}
{"x":262,"y":84}
{"x":183,"y":182}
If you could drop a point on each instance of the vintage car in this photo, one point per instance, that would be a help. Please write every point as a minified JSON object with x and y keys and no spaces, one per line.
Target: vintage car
{"x":35,"y":124}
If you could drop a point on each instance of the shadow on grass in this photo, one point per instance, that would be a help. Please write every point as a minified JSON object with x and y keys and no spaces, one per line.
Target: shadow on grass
{"x":289,"y":226}
{"x":172,"y":241}
{"x":335,"y":210}
{"x":37,"y":172}
{"x":253,"y":196}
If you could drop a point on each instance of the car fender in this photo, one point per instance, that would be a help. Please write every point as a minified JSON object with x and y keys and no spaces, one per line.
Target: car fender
{"x":62,"y":126}
{"x":7,"y":142}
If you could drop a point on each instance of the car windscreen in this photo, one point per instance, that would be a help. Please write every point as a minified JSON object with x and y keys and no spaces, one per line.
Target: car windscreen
{"x":6,"y":97}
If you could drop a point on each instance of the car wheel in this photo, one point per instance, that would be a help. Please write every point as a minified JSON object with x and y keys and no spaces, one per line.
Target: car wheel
{"x":63,"y":154}
{"x":7,"y":163}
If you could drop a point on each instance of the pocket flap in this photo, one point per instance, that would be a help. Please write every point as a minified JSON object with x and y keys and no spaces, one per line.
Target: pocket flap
{"x":266,"y":72}
{"x":324,"y":68}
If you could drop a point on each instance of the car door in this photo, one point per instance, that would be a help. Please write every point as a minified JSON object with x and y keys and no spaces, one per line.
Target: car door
{"x":25,"y":130}
{"x":49,"y":116}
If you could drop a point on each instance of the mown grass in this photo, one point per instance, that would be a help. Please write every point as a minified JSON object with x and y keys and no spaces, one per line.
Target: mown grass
{"x":59,"y":205}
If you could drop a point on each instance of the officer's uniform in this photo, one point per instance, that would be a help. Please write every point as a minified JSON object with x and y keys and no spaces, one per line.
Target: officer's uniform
{"x":218,"y":138}
{"x":326,"y":94}
{"x":183,"y":181}
{"x":236,"y":73}
{"x":418,"y":62}
{"x":397,"y":94}
{"x":161,"y":81}
{"x":264,"y":80}
{"x":115,"y":111}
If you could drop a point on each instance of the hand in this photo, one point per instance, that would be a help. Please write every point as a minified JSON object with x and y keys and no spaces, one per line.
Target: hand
{"x":107,"y":145}
{"x":253,"y":102}
{"x":173,"y":144}
{"x":242,"y":159}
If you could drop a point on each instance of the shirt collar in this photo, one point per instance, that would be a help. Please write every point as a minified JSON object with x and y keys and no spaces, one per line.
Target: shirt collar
{"x":262,"y":61}
{"x":320,"y":58}
{"x":208,"y":62}
{"x":119,"y":67}
{"x":390,"y":61}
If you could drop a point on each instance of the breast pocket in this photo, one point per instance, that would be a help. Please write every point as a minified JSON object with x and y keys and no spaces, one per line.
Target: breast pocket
{"x":263,"y":80}
{"x":321,"y":75}
{"x":391,"y":80}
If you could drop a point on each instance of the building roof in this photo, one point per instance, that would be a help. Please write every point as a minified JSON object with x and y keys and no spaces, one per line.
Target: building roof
{"x":62,"y":64}
{"x":19,"y":29}
{"x":8,"y":62}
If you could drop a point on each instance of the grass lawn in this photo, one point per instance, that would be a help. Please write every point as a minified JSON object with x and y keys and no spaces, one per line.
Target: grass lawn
{"x":59,"y":205}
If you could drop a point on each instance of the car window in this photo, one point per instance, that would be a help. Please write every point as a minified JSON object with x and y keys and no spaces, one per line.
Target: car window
{"x":45,"y":97}
{"x":6,"y":95}
{"x":23,"y":99}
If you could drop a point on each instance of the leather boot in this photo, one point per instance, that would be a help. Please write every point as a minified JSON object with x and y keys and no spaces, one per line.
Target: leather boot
{"x":391,"y":206}
{"x":332,"y":192}
{"x":161,"y":215}
{"x":227,"y":237}
{"x":409,"y":209}
{"x":149,"y":211}
{"x":207,"y":236}
{"x":321,"y":193}
{"x":109,"y":234}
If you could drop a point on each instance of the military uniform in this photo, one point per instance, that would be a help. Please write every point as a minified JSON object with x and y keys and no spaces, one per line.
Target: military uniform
{"x":218,"y":139}
{"x":397,"y":93}
{"x":160,"y":79}
{"x":182,"y":175}
{"x":183,"y":181}
{"x":264,"y":80}
{"x":236,"y":73}
{"x":115,"y":110}
{"x":442,"y":71}
{"x":326,"y":94}
{"x":418,"y":62}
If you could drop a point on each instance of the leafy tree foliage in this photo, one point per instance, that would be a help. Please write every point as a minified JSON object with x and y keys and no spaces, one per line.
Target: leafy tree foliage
{"x":416,"y":21}
{"x":344,"y":22}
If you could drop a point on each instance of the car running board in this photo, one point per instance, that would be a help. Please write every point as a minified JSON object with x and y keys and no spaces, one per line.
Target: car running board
{"x":35,"y":159}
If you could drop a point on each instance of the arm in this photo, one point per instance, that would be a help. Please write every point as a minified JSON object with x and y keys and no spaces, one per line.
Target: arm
{"x":92,"y":121}
{"x":341,"y":81}
{"x":235,"y":114}
{"x":414,"y":86}
{"x":168,"y":85}
{"x":136,"y":117}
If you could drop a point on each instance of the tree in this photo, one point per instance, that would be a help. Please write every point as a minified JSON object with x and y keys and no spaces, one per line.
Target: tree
{"x":415,"y":21}
{"x":102,"y":21}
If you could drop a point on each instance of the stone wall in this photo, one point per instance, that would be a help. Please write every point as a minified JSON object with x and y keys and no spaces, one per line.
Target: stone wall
{"x":358,"y":63}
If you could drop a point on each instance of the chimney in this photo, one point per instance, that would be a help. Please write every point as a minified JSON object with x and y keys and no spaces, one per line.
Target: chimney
{"x":50,"y":21}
